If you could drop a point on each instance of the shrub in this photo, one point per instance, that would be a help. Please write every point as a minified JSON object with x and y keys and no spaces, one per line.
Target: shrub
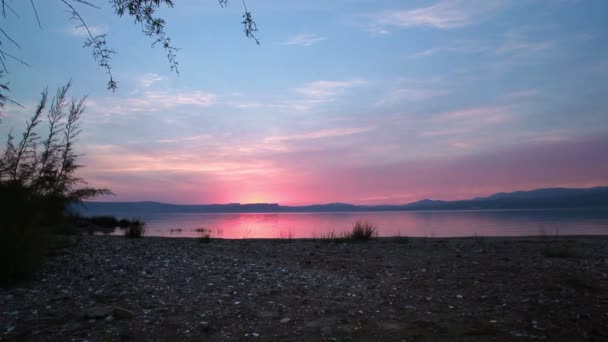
{"x":124,"y":223}
{"x":22,"y":250}
{"x":38,"y":185}
{"x":362,"y":231}
{"x":332,"y":236}
{"x":104,"y":221}
{"x":204,"y":238}
{"x":136,"y":229}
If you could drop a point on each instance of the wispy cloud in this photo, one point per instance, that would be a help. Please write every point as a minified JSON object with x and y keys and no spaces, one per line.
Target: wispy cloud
{"x":119,"y":159}
{"x":552,"y":135}
{"x":326,"y":90}
{"x":444,"y":132}
{"x":193,"y":138}
{"x":445,"y":14}
{"x":148,"y":79}
{"x":152,"y":101}
{"x":465,"y":46}
{"x":320,"y":134}
{"x":405,"y":95}
{"x":466,"y":121}
{"x":487,"y":115}
{"x":303,"y":39}
{"x":518,"y":40}
{"x":81,"y":31}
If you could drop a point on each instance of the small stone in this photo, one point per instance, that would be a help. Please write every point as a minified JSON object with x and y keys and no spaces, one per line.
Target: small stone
{"x":459,"y":296}
{"x":285,"y":320}
{"x":122,"y":313}
{"x":95,"y":313}
{"x":326,"y":331}
{"x":255,"y":334}
{"x":516,"y":333}
{"x":205,"y":327}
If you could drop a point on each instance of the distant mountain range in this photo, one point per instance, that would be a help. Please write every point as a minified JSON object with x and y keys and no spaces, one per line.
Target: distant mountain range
{"x":596,"y":197}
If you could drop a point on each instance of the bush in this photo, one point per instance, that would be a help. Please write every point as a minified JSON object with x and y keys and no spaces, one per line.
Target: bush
{"x":362,"y":231}
{"x":22,"y":252}
{"x":136,"y":229}
{"x":107,"y":221}
{"x":38,"y":184}
{"x":104,"y":221}
{"x":124,"y":223}
{"x":204,"y":238}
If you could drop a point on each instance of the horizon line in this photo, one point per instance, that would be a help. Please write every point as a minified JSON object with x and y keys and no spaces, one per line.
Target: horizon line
{"x":346,"y":203}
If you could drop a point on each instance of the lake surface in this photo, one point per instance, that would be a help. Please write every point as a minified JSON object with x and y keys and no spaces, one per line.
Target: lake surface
{"x":405,"y":223}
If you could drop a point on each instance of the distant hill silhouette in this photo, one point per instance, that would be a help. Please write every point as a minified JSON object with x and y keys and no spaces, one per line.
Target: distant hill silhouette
{"x":596,"y":197}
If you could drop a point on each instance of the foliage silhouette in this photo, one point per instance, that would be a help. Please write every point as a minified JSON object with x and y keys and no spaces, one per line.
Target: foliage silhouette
{"x":38,"y":184}
{"x":143,"y":13}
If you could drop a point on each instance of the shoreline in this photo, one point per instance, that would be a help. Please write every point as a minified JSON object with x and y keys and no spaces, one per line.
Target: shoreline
{"x":391,"y":289}
{"x":543,"y":238}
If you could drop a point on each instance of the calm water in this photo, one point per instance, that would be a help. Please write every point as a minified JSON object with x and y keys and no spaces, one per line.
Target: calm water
{"x":421,"y":224}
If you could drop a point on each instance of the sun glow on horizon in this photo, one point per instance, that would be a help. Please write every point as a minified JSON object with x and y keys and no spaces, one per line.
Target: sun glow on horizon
{"x":428,"y":107}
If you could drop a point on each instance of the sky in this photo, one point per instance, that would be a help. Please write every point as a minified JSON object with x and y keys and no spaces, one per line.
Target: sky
{"x":360,"y":101}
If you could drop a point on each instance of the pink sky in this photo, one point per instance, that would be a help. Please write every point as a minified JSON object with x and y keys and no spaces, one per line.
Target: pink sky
{"x":362,"y":102}
{"x":303,"y":178}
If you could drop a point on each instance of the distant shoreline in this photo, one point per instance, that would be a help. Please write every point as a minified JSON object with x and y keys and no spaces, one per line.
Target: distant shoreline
{"x":541,"y":199}
{"x":374,"y":211}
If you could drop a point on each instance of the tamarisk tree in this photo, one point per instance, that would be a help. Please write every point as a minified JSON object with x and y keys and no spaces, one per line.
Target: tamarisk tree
{"x":143,"y":13}
{"x":42,"y":168}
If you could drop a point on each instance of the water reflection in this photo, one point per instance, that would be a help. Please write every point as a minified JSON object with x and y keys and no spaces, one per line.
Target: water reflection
{"x":420,"y":224}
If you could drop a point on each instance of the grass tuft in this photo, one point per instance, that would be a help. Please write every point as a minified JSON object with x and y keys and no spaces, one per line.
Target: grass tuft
{"x":560,"y":251}
{"x":136,"y":229}
{"x":363,"y":231}
{"x":204,"y":238}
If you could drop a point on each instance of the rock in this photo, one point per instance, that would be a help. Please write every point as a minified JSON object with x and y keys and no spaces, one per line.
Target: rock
{"x":327,"y":331}
{"x":95,"y":312}
{"x":122,"y":313}
{"x":313,"y":324}
{"x":516,"y":333}
{"x":267,"y":314}
{"x":285,"y":320}
{"x":391,"y":326}
{"x":205,"y":327}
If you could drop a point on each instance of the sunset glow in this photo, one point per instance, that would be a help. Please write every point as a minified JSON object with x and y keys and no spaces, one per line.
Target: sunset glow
{"x":383,"y":102}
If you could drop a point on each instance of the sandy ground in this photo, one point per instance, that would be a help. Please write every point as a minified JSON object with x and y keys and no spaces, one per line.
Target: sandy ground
{"x":477,"y":289}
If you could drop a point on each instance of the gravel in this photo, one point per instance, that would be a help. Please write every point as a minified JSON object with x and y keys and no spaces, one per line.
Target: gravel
{"x":113,"y":288}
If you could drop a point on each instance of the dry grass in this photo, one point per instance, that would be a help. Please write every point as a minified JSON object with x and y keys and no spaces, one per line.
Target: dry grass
{"x":363,"y":231}
{"x":136,"y":229}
